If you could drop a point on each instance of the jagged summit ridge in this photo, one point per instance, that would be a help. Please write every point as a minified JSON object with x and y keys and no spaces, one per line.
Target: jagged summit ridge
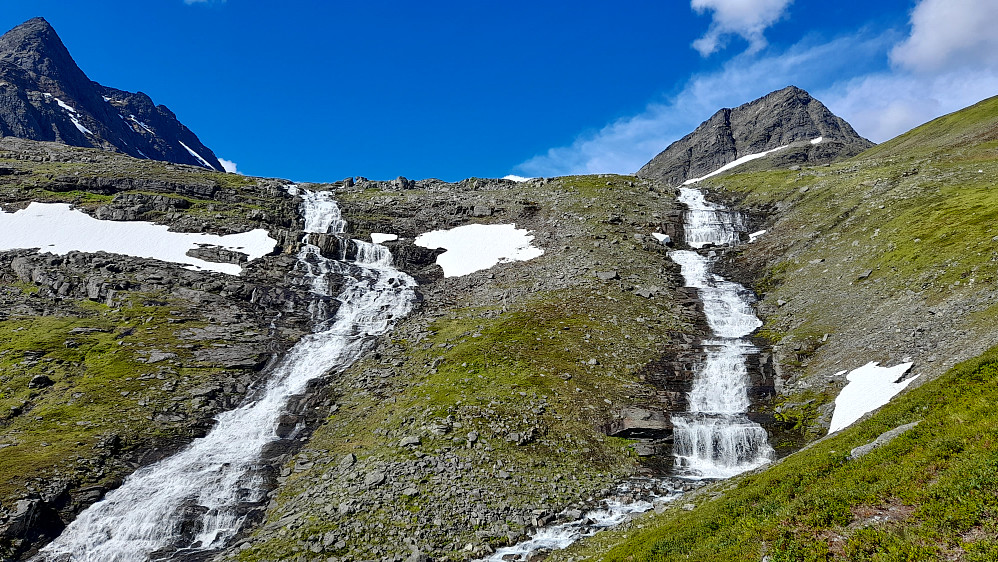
{"x":785,"y":117}
{"x":45,"y":96}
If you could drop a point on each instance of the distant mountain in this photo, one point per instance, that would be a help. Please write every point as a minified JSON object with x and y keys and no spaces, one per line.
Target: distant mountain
{"x":785,"y":117}
{"x":45,"y":96}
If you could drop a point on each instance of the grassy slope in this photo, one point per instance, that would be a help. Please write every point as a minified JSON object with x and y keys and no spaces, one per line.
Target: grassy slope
{"x":932,"y":493}
{"x":101,"y":387}
{"x":919,"y":211}
{"x":495,"y":366}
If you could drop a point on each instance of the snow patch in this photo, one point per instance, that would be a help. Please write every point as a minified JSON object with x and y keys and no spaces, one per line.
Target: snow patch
{"x":869,"y":388}
{"x":735,"y":163}
{"x":755,"y":235}
{"x":146,"y":127}
{"x":475,"y":247}
{"x":516,"y":178}
{"x":73,"y":114}
{"x":58,"y":229}
{"x":379,"y":238}
{"x":663,"y":238}
{"x":817,"y":140}
{"x":196,"y":155}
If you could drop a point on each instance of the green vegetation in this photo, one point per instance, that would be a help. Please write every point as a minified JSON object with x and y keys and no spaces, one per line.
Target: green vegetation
{"x":101,"y":388}
{"x":931,"y":494}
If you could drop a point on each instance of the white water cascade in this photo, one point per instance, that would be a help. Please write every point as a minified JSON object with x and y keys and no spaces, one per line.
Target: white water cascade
{"x":715,"y":439}
{"x":195,"y":500}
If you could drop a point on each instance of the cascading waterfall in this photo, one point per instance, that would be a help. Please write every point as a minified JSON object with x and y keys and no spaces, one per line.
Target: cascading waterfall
{"x":715,"y":439}
{"x":196,"y":500}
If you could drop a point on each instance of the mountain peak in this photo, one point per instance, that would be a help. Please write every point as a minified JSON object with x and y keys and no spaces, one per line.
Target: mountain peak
{"x":35,"y":47}
{"x":789,"y":117}
{"x":45,"y":96}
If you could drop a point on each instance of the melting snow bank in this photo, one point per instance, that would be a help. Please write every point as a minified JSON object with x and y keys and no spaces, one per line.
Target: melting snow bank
{"x":630,"y":499}
{"x":517,"y":178}
{"x":474,"y":247}
{"x":379,"y":237}
{"x":198,"y":156}
{"x":869,"y":388}
{"x":58,"y":229}
{"x":735,"y":163}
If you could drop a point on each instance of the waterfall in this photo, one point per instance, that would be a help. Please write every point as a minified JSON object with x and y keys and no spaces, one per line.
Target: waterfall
{"x":196,"y":500}
{"x":715,"y":439}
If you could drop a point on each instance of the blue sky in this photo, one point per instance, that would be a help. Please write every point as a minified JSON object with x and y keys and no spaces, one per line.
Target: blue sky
{"x":321,"y":90}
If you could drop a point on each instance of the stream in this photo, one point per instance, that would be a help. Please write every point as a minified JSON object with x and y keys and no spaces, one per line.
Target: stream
{"x":198,"y":499}
{"x":714,"y":439}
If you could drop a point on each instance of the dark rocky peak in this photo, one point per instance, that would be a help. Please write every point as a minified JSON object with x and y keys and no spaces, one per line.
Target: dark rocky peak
{"x":788,"y":117}
{"x":45,"y":96}
{"x":35,"y":47}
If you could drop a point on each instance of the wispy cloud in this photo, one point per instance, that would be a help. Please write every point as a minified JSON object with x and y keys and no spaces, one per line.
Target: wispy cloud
{"x":204,"y":2}
{"x":627,"y":144}
{"x":229,"y":166}
{"x":747,"y":18}
{"x":880,"y":101}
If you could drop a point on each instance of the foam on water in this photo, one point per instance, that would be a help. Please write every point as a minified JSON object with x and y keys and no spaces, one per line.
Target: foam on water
{"x":715,"y":439}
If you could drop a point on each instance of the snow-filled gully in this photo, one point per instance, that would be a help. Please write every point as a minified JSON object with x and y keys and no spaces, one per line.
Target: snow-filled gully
{"x":196,"y":500}
{"x":715,"y":439}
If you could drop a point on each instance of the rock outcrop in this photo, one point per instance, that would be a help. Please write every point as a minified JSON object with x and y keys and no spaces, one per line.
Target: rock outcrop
{"x":785,"y":117}
{"x":45,"y":96}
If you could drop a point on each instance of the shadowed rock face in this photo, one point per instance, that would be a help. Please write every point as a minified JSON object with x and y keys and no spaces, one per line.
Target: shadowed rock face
{"x":37,"y":73}
{"x":785,"y":117}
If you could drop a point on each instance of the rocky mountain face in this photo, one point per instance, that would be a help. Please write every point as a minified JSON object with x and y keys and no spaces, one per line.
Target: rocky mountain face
{"x":45,"y":96}
{"x":785,"y":117}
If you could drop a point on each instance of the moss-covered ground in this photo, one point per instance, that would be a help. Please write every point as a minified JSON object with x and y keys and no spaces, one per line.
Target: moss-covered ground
{"x":100,"y":386}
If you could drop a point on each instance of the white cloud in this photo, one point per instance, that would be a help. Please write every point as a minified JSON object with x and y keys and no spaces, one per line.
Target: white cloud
{"x":879,"y":104}
{"x":883,"y":105}
{"x":950,"y":33}
{"x":747,"y":18}
{"x":191,"y":2}
{"x":228,"y":166}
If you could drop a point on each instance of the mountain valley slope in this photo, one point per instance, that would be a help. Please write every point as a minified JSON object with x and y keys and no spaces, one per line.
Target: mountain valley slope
{"x":893,"y":254}
{"x":499,"y":401}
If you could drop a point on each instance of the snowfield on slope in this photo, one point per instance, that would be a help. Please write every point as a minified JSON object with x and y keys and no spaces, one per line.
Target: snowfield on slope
{"x":869,"y":388}
{"x":747,"y":158}
{"x":56,"y":228}
{"x":474,"y":247}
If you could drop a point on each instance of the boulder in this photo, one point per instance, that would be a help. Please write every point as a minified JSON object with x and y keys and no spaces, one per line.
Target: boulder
{"x":634,"y":422}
